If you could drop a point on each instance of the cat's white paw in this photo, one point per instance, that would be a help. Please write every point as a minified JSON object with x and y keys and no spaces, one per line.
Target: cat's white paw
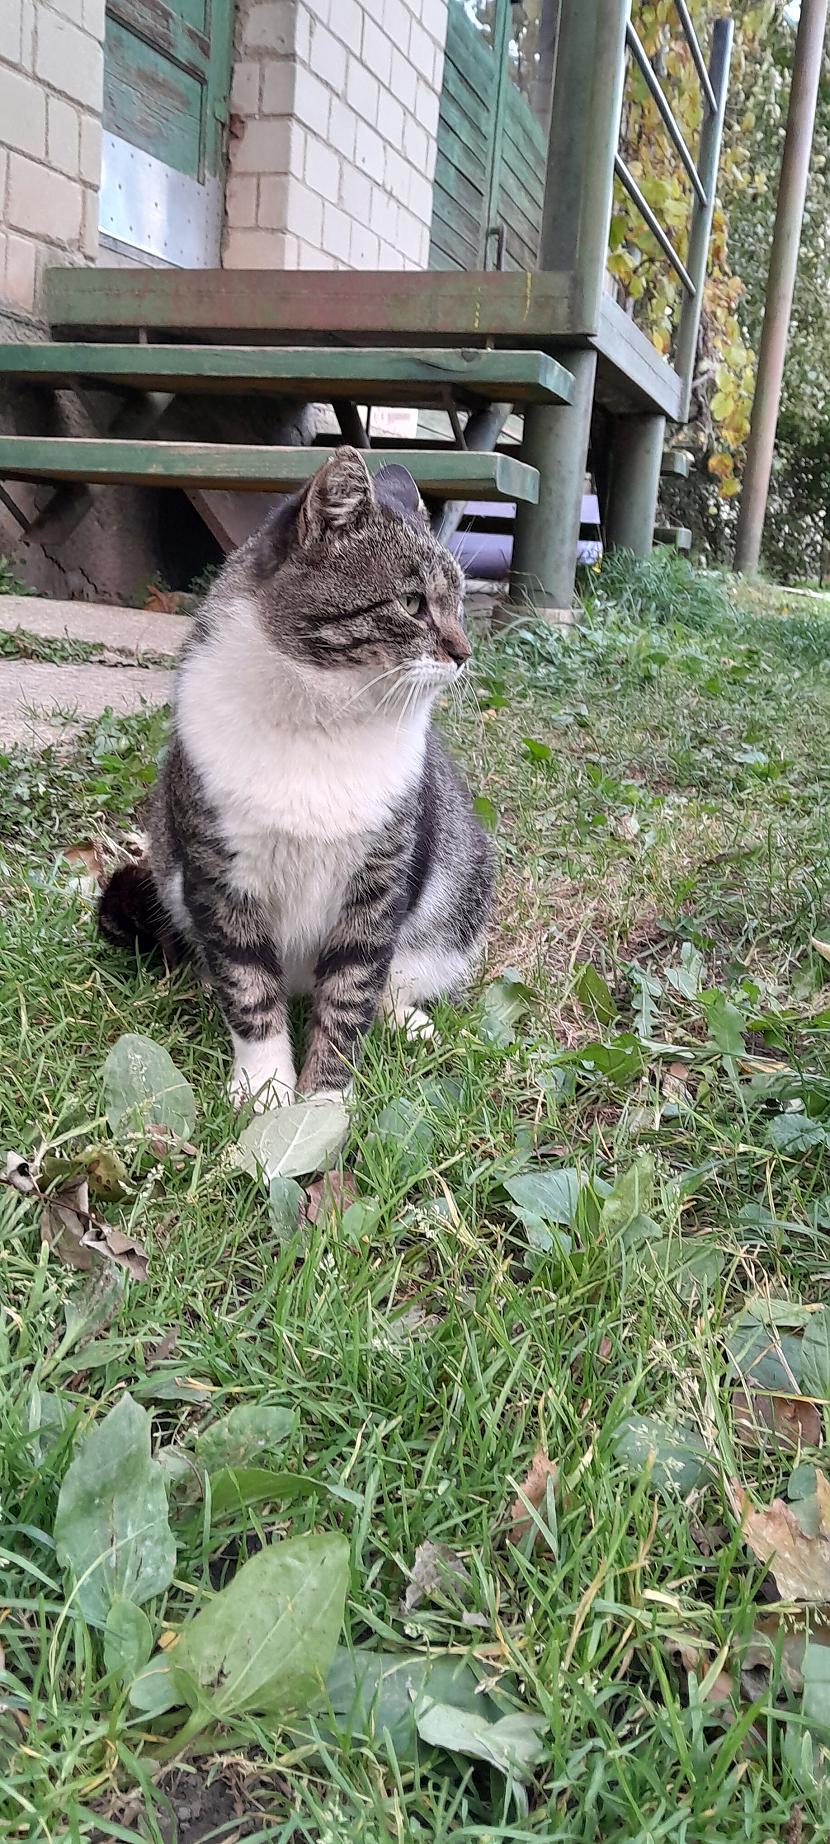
{"x":263,"y":1073}
{"x":416,"y":1024}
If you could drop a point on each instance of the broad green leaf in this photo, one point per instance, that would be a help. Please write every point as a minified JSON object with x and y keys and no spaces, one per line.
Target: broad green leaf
{"x":514,"y":1745}
{"x":630,"y":1196}
{"x":360,"y":1220}
{"x":815,"y":1356}
{"x":377,"y":1694}
{"x":143,"y":1090}
{"x":155,"y":1691}
{"x":796,"y":1133}
{"x":112,"y":1533}
{"x":766,"y":1358}
{"x":128,"y":1639}
{"x":234,"y":1486}
{"x":620,"y":1061}
{"x":294,"y":1142}
{"x":543,"y":1195}
{"x":647,"y":990}
{"x":92,"y":1304}
{"x":679,"y":1457}
{"x":538,"y":752}
{"x":486,"y":812}
{"x":686,"y":974}
{"x":802,"y":1482}
{"x":245,"y":1436}
{"x":690,"y":1264}
{"x":404,"y":1131}
{"x":726,"y":1023}
{"x":506,"y":1002}
{"x":594,"y":994}
{"x":266,"y":1642}
{"x":285,"y":1198}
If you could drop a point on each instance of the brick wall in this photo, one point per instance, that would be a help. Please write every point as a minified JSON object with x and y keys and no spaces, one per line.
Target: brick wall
{"x":333,"y":133}
{"x":51,"y":90}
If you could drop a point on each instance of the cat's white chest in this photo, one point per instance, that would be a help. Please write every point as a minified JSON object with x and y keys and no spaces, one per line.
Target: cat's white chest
{"x":302,"y":887}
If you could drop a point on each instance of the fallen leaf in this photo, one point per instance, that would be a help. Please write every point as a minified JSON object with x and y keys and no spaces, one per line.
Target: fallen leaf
{"x":708,"y":1538}
{"x":604,"y":1348}
{"x":17,"y":1174}
{"x":77,"y":1238}
{"x":783,"y":1421}
{"x":166,"y":1348}
{"x":799,"y":1563}
{"x":821,"y":947}
{"x":294,"y":1142}
{"x":161,"y":601}
{"x":144,"y":1092}
{"x":534,"y":1489}
{"x":437,"y":1573}
{"x":88,"y":859}
{"x":330,"y":1195}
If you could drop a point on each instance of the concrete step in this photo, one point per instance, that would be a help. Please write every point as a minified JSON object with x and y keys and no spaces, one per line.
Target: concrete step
{"x":43,"y":703}
{"x":127,"y":630}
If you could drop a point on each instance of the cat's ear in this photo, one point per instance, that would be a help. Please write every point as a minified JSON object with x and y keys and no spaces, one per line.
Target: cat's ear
{"x":337,"y":497}
{"x":395,"y":488}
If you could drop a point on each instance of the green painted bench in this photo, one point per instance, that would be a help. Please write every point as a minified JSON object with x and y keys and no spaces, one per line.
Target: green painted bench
{"x":416,"y":376}
{"x":445,"y":473}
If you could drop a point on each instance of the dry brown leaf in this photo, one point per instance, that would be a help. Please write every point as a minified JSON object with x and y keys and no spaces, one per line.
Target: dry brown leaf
{"x":88,"y":859}
{"x":775,"y":1421}
{"x":787,"y":1635}
{"x":800,"y":1564}
{"x":604,"y":1348}
{"x":81,"y":1240}
{"x":821,"y":947}
{"x":334,"y":1192}
{"x":534,"y":1489}
{"x":708,"y":1538}
{"x":437,"y":1573}
{"x":794,"y":1828}
{"x":164,"y":601}
{"x":164,"y":1350}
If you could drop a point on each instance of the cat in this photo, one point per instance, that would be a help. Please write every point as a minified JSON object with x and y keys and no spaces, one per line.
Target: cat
{"x":308,"y":833}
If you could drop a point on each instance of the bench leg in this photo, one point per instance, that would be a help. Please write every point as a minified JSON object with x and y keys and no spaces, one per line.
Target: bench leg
{"x":636,"y":457}
{"x":547,"y":535}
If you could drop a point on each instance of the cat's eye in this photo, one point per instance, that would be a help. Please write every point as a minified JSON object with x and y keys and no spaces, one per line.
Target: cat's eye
{"x":413,"y":604}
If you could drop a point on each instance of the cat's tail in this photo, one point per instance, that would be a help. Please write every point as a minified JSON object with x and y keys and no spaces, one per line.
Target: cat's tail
{"x":131,"y":914}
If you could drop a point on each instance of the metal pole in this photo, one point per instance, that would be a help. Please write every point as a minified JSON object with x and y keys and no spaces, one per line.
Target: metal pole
{"x":792,"y":189}
{"x":701,"y":228}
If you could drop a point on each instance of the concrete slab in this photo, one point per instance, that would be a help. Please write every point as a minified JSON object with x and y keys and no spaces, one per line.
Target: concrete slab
{"x":43,"y":703}
{"x":130,"y":630}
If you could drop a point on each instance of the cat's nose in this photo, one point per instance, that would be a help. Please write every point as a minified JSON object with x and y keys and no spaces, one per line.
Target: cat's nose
{"x":453,"y":643}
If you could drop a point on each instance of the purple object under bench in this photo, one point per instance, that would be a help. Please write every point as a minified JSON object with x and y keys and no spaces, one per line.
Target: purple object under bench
{"x":487,"y":552}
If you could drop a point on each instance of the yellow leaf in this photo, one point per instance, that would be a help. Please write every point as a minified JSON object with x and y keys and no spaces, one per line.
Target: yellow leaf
{"x":729,"y":488}
{"x":723,"y":403}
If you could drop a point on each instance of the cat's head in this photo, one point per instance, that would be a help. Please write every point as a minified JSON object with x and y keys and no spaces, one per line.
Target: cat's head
{"x":352,"y":583}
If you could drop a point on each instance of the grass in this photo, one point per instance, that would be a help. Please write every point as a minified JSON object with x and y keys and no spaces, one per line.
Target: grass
{"x":672,"y":804}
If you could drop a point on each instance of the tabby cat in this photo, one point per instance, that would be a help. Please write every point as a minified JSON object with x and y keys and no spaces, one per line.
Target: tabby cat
{"x":307,"y":832}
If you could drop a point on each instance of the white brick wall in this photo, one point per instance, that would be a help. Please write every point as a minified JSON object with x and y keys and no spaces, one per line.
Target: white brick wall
{"x":51,"y":96}
{"x":357,"y":85}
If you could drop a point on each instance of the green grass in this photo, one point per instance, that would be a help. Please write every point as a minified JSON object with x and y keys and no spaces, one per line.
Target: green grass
{"x":427,"y":1360}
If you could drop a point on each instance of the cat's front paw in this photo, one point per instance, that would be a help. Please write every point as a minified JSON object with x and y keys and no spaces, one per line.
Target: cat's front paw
{"x":263,"y":1074}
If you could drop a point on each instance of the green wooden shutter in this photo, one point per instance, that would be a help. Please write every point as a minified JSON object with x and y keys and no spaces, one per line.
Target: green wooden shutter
{"x":490,"y":164}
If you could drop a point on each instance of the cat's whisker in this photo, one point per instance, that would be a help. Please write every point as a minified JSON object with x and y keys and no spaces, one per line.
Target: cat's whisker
{"x":390,"y":672}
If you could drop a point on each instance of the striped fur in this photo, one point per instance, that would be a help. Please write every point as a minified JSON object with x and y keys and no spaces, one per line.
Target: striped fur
{"x":308,"y":833}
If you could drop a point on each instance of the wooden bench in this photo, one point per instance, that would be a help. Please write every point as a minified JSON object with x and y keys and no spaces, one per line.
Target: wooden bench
{"x":443,"y":473}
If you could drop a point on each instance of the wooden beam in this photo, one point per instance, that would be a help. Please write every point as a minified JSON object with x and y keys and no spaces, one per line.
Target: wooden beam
{"x":395,"y":306}
{"x":418,"y":376}
{"x":448,"y":473}
{"x":631,"y":375}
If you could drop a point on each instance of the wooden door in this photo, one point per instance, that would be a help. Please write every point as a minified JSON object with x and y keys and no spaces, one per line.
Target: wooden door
{"x":167,"y":67}
{"x":492,"y":134}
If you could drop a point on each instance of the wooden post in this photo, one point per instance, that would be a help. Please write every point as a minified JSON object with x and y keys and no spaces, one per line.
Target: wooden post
{"x":701,"y":226}
{"x":547,"y":535}
{"x":584,"y":132}
{"x":795,"y":167}
{"x":636,"y":459}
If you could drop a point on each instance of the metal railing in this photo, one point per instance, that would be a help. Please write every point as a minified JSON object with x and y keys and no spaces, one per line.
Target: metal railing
{"x":702,"y":172}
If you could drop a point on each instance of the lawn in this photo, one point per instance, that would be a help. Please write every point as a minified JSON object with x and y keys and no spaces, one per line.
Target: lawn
{"x":565,"y":1308}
